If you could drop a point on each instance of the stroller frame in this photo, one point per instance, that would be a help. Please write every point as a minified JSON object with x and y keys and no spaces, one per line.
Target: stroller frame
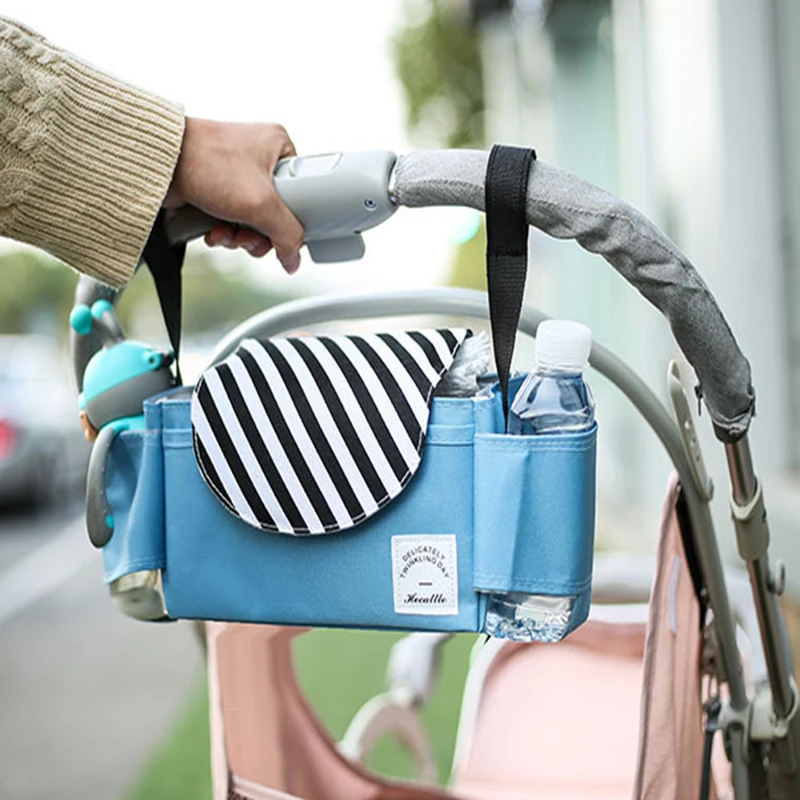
{"x":746,"y":721}
{"x":760,"y":729}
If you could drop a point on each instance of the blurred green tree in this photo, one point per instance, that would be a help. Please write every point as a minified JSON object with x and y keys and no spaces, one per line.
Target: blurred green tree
{"x":468,"y":269}
{"x":437,"y":57}
{"x":36,"y":294}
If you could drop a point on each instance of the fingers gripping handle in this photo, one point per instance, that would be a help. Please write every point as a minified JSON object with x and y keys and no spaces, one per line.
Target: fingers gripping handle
{"x":335,"y":196}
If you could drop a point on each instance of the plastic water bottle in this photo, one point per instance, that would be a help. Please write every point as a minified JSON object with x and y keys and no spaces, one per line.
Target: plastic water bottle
{"x":553,"y":399}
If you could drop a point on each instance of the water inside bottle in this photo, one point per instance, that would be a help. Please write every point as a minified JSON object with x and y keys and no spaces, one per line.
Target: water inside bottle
{"x":528,"y":617}
{"x":551,"y":402}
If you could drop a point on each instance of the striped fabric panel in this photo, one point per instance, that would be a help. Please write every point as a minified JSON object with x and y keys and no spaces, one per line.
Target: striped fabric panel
{"x":313,"y":435}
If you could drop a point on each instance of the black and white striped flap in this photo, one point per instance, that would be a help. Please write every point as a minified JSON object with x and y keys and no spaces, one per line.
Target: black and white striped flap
{"x":312,"y":435}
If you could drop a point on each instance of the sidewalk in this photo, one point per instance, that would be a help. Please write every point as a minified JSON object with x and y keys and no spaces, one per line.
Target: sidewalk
{"x":85,"y":693}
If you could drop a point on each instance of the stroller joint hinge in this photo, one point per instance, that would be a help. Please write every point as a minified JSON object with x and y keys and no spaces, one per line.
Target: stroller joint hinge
{"x":758,"y":720}
{"x":731,"y":718}
{"x":750,"y":521}
{"x":765,"y":724}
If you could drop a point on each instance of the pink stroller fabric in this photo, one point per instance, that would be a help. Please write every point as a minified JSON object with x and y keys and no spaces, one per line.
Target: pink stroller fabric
{"x":558,"y":722}
{"x":671,"y":738}
{"x":267,"y":743}
{"x":612,"y":713}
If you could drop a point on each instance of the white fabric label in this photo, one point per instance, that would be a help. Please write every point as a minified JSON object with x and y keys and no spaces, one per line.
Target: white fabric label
{"x":425,"y":574}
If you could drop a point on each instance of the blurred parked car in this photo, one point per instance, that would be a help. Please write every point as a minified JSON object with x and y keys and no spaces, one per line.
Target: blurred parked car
{"x":43,"y":453}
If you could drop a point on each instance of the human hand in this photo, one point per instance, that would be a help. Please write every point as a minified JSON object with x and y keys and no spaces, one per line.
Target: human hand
{"x":225,"y":169}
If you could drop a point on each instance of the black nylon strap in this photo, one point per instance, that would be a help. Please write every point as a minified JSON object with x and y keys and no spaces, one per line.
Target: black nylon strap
{"x":690,"y":551}
{"x":506,"y":250}
{"x":166,"y":262}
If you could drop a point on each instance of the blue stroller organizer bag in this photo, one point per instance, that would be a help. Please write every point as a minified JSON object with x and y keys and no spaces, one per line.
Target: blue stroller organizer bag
{"x":392,"y":531}
{"x":321,"y":482}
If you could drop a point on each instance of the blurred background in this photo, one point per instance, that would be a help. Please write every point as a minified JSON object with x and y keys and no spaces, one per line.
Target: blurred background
{"x":688,"y":109}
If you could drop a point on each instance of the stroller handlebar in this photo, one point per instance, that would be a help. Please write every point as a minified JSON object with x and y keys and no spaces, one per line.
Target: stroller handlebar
{"x":336,"y":196}
{"x":566,"y":207}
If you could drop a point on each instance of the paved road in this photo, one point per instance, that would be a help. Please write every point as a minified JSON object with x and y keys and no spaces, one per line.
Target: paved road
{"x":84,"y":692}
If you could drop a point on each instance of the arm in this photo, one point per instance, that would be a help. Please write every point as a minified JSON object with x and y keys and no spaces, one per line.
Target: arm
{"x":86,"y":162}
{"x":85,"y":159}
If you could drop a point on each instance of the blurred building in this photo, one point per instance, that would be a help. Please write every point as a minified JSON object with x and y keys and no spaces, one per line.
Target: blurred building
{"x":690,"y":110}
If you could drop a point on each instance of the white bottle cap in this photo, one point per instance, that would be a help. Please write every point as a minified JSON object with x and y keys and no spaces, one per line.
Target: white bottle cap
{"x":563,"y":345}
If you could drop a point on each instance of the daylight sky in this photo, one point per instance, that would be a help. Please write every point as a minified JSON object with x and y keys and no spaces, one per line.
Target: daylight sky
{"x":320,"y":68}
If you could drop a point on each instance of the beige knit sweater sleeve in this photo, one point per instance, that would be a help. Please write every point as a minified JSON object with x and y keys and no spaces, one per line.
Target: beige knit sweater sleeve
{"x":85,"y":159}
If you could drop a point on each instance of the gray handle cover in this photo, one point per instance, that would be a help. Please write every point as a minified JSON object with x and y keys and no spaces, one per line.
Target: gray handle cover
{"x":567,"y":207}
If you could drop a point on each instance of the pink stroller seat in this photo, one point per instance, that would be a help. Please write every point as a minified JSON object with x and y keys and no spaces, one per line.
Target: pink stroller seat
{"x":267,"y":743}
{"x":559,"y":722}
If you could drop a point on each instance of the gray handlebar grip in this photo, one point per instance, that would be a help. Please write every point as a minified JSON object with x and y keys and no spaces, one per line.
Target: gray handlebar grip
{"x":187,"y":223}
{"x":335,"y":196}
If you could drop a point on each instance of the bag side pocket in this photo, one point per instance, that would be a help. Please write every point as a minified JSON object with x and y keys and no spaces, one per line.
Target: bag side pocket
{"x":534,"y":513}
{"x":135,"y":492}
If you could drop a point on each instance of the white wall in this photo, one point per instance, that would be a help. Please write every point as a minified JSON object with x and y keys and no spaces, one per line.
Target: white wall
{"x":700,"y":130}
{"x":722,"y":116}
